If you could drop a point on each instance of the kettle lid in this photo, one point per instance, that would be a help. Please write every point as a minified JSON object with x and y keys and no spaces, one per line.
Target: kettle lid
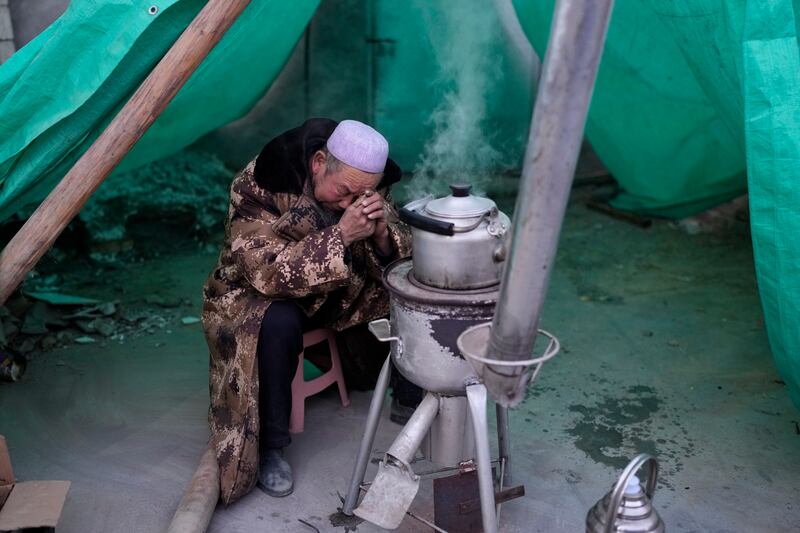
{"x":460,"y":204}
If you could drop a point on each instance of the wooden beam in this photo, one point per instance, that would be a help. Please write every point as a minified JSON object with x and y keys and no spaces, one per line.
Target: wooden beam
{"x":144,"y":107}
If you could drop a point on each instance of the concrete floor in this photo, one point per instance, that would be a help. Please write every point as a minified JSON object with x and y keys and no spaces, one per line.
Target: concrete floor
{"x":664,"y":351}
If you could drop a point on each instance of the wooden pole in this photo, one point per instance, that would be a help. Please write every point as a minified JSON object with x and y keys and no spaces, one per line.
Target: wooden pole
{"x":148,"y":102}
{"x":198,"y":503}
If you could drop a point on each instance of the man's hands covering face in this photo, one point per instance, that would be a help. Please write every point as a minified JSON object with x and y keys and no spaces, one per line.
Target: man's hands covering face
{"x":355,"y":225}
{"x":375,"y":209}
{"x":366,"y":217}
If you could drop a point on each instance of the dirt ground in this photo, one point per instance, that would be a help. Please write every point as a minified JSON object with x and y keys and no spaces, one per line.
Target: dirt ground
{"x":664,"y":351}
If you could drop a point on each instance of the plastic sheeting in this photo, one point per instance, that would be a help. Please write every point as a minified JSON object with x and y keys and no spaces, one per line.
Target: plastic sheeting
{"x":691,"y":97}
{"x":772,"y":131}
{"x":675,"y":147}
{"x":59,"y":92}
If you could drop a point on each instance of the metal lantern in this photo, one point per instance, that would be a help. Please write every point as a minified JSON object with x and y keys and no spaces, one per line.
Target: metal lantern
{"x":628,"y":508}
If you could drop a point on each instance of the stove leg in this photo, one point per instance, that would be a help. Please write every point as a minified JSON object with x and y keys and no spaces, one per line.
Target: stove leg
{"x":360,"y":468}
{"x":476,"y":396}
{"x":503,"y":445}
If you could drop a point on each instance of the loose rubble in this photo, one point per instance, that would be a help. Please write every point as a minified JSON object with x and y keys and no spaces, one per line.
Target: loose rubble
{"x":30,"y":324}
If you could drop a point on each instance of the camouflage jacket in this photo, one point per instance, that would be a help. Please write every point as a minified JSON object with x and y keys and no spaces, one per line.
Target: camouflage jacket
{"x":278,"y":245}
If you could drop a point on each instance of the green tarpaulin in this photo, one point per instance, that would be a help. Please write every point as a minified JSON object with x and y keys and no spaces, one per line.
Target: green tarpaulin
{"x":58,"y":92}
{"x":695,"y":102}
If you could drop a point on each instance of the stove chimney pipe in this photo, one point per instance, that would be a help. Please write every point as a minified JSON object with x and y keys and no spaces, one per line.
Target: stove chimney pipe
{"x":577,"y":35}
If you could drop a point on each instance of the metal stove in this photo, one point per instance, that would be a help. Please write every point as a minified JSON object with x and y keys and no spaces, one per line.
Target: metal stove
{"x":427,"y":322}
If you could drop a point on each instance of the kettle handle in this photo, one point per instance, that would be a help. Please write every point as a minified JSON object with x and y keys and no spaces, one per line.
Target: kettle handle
{"x":412,"y":218}
{"x":622,"y":482}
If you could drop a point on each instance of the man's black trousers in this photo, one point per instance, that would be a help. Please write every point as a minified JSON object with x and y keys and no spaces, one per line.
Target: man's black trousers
{"x":279,"y":345}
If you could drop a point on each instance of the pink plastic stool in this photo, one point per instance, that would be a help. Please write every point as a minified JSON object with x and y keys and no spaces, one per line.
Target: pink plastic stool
{"x":302,"y":389}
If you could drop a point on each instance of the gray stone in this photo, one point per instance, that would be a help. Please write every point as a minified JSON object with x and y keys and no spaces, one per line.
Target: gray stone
{"x":35,"y":319}
{"x":104,"y":326}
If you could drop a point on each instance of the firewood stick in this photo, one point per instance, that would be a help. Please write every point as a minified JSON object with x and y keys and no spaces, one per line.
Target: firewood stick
{"x":148,"y":102}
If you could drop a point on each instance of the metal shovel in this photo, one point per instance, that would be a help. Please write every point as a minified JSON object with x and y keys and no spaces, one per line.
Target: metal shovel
{"x":390,"y":494}
{"x":395,"y":486}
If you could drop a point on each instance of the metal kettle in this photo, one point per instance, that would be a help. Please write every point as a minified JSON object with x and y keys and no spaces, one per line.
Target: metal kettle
{"x":458,"y":239}
{"x":628,"y":508}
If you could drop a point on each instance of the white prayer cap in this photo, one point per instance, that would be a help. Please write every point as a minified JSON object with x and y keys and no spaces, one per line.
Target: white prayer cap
{"x":358,"y":145}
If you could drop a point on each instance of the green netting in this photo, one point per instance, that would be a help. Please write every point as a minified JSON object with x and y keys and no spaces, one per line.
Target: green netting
{"x":690,"y":95}
{"x":58,"y":92}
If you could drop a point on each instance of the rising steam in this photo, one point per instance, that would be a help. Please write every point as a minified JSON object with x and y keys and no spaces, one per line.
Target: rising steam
{"x":465,"y":47}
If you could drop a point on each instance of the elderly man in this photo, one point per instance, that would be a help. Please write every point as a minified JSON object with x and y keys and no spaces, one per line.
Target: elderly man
{"x":309,"y":231}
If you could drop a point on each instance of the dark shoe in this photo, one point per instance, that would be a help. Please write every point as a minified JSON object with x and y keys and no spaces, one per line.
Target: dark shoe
{"x":399,"y":413}
{"x":275,"y":474}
